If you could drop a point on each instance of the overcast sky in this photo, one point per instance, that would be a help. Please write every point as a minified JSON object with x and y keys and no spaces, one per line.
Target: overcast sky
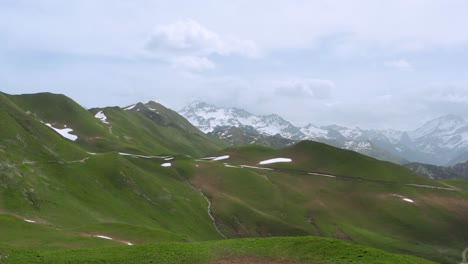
{"x":372,"y":64}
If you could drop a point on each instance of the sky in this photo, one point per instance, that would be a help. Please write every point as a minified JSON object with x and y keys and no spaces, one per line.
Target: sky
{"x":360,"y":63}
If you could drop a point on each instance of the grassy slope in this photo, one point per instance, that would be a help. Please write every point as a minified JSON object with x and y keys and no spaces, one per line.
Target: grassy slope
{"x":54,"y":181}
{"x":141,"y":132}
{"x":268,"y":250}
{"x":137,"y":200}
{"x":250,"y":202}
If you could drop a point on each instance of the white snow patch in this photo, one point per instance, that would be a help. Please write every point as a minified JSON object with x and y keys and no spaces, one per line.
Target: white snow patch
{"x":408,"y":200}
{"x":275,"y":160}
{"x":404,"y":198}
{"x":129,"y":243}
{"x":130,"y":107}
{"x":170,"y":158}
{"x":64,"y":132}
{"x":29,"y":221}
{"x":92,"y":153}
{"x":207,"y":158}
{"x":104,"y":237}
{"x":216,"y":158}
{"x":167,"y":164}
{"x":222,"y":157}
{"x":142,"y":156}
{"x":101,"y":116}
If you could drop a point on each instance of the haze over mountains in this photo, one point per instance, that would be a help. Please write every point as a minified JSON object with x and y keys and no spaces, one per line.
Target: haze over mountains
{"x":442,"y":141}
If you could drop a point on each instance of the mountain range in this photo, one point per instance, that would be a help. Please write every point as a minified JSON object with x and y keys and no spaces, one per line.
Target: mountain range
{"x":442,"y":141}
{"x":140,"y":184}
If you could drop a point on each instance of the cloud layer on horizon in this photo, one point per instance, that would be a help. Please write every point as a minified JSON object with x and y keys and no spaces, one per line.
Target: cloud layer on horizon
{"x":358,"y":63}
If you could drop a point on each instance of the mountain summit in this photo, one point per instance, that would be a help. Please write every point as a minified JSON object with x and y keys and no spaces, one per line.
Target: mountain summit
{"x":441,"y":141}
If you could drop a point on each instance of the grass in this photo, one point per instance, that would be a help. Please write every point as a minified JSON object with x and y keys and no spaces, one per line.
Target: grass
{"x":73,"y":194}
{"x":263,"y":250}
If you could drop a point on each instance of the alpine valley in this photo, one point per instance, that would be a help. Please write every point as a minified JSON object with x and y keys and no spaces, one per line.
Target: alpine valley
{"x":144,"y":184}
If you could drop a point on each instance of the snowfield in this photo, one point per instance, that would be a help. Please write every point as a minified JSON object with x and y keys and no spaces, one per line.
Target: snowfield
{"x":101,"y":116}
{"x":167,"y":164}
{"x":64,"y":132}
{"x":275,"y":160}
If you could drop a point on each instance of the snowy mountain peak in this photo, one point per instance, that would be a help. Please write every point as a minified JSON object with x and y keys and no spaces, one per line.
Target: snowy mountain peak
{"x":207,"y":117}
{"x":444,"y":125}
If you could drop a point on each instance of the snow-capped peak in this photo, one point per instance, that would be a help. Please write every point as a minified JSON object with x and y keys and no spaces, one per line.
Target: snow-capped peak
{"x":442,"y":126}
{"x":207,"y":117}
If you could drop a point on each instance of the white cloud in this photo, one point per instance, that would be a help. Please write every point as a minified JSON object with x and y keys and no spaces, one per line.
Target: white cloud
{"x":192,"y":63}
{"x":306,"y":88}
{"x":400,"y":64}
{"x":188,"y":37}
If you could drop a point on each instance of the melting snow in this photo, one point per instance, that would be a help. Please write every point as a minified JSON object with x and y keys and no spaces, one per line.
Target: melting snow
{"x":29,"y":221}
{"x":404,"y":198}
{"x":130,"y":107}
{"x":216,"y":158}
{"x":170,"y":158}
{"x":105,"y":237}
{"x":129,"y":243}
{"x":408,"y":200}
{"x":101,"y":116}
{"x":142,"y":156}
{"x":64,"y":132}
{"x":275,"y":161}
{"x":167,"y":164}
{"x":222,"y":157}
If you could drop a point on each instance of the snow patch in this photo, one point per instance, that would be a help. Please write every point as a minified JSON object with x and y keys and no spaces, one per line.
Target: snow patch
{"x":142,"y":156}
{"x":64,"y":132}
{"x":170,"y":158}
{"x":167,"y":164}
{"x":101,"y":116}
{"x":29,"y":221}
{"x":222,"y":157}
{"x":216,"y":158}
{"x":275,"y":160}
{"x":408,"y":200}
{"x":404,"y":198}
{"x":104,"y":237}
{"x":130,"y":107}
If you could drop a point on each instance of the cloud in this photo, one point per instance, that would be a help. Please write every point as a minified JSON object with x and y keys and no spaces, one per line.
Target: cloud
{"x":188,"y":37}
{"x":456,"y":93}
{"x":306,"y":88}
{"x":192,"y":63}
{"x":400,"y":64}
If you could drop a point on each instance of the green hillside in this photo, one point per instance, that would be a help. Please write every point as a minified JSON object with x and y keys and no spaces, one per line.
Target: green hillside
{"x":141,"y":178}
